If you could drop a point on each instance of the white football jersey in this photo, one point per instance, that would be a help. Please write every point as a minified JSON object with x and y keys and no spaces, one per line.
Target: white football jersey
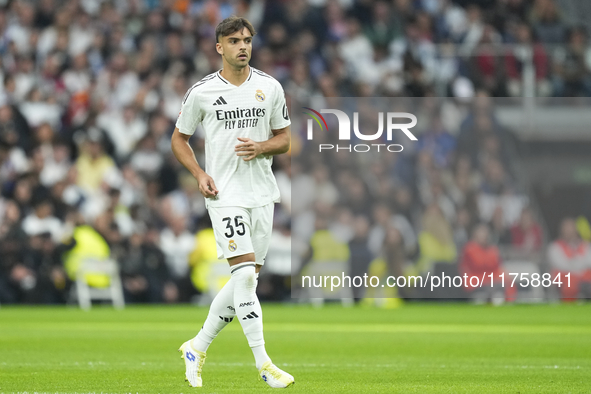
{"x":227,"y":112}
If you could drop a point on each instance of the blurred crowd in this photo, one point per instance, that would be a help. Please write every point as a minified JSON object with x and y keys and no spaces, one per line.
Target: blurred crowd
{"x":443,"y":200}
{"x":453,"y":202}
{"x":90,"y":91}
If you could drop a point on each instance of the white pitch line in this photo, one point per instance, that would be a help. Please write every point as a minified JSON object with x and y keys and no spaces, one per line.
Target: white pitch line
{"x":306,"y":365}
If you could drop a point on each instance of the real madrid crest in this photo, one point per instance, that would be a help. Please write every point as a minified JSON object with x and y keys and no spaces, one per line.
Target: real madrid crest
{"x":259,"y":95}
{"x":232,"y":245}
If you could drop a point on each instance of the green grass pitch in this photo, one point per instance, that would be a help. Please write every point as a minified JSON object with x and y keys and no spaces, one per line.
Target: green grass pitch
{"x":417,"y":348}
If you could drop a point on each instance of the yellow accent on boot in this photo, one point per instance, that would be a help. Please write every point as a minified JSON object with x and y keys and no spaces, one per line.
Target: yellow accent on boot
{"x":194,"y":360}
{"x":274,"y":376}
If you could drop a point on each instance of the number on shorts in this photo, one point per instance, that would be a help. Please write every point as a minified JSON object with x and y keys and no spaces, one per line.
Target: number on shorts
{"x":229,"y":227}
{"x":241,"y":230}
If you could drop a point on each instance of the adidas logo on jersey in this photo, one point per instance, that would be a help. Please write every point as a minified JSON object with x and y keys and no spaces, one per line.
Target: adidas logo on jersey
{"x":251,"y":315}
{"x":220,"y":101}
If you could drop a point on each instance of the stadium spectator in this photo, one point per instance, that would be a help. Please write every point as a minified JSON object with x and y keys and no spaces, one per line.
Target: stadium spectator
{"x":15,"y":132}
{"x":327,"y":254}
{"x":143,"y":269}
{"x":393,"y":256}
{"x":516,"y":63}
{"x":462,"y":226}
{"x":463,"y":183}
{"x":93,"y":164}
{"x":360,"y":256}
{"x":486,"y":66}
{"x":183,"y":202}
{"x":496,"y":180}
{"x":500,"y":234}
{"x":275,"y":284}
{"x":438,"y":142}
{"x":13,"y":242}
{"x":572,"y":75}
{"x":479,"y":258}
{"x":547,"y":22}
{"x":85,"y":243}
{"x":124,"y":128}
{"x":384,"y":25}
{"x":526,"y":235}
{"x":571,"y":255}
{"x":324,"y":190}
{"x":177,"y":243}
{"x":436,"y":242}
{"x":384,"y":217}
{"x":355,"y":49}
{"x":41,"y":221}
{"x":22,"y":193}
{"x":29,"y":272}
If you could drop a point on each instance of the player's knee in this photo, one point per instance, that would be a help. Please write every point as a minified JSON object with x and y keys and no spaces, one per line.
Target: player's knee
{"x":244,"y":274}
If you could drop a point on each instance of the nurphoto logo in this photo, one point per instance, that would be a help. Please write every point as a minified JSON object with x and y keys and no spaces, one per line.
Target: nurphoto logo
{"x":345,"y":130}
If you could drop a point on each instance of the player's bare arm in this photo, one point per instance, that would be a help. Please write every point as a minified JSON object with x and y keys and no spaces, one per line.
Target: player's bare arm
{"x":185,"y":155}
{"x":276,"y":145}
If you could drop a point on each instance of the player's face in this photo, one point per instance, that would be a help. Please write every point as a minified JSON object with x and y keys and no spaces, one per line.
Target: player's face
{"x":236,"y":48}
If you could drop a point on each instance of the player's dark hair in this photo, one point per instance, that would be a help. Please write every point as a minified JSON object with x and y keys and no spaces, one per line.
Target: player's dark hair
{"x":231,"y":25}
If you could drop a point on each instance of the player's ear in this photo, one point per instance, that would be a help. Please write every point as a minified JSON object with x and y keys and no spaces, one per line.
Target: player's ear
{"x":218,"y":48}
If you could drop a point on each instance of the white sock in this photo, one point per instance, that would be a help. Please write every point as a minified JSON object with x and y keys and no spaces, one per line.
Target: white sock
{"x":248,"y":309}
{"x":260,"y":356}
{"x":221,"y":312}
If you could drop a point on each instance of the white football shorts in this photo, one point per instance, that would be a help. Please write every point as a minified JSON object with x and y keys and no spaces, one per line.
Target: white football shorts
{"x":241,"y":231}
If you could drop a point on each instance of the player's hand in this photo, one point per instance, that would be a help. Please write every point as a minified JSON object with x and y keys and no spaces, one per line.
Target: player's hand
{"x":207,"y":186}
{"x":248,"y":150}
